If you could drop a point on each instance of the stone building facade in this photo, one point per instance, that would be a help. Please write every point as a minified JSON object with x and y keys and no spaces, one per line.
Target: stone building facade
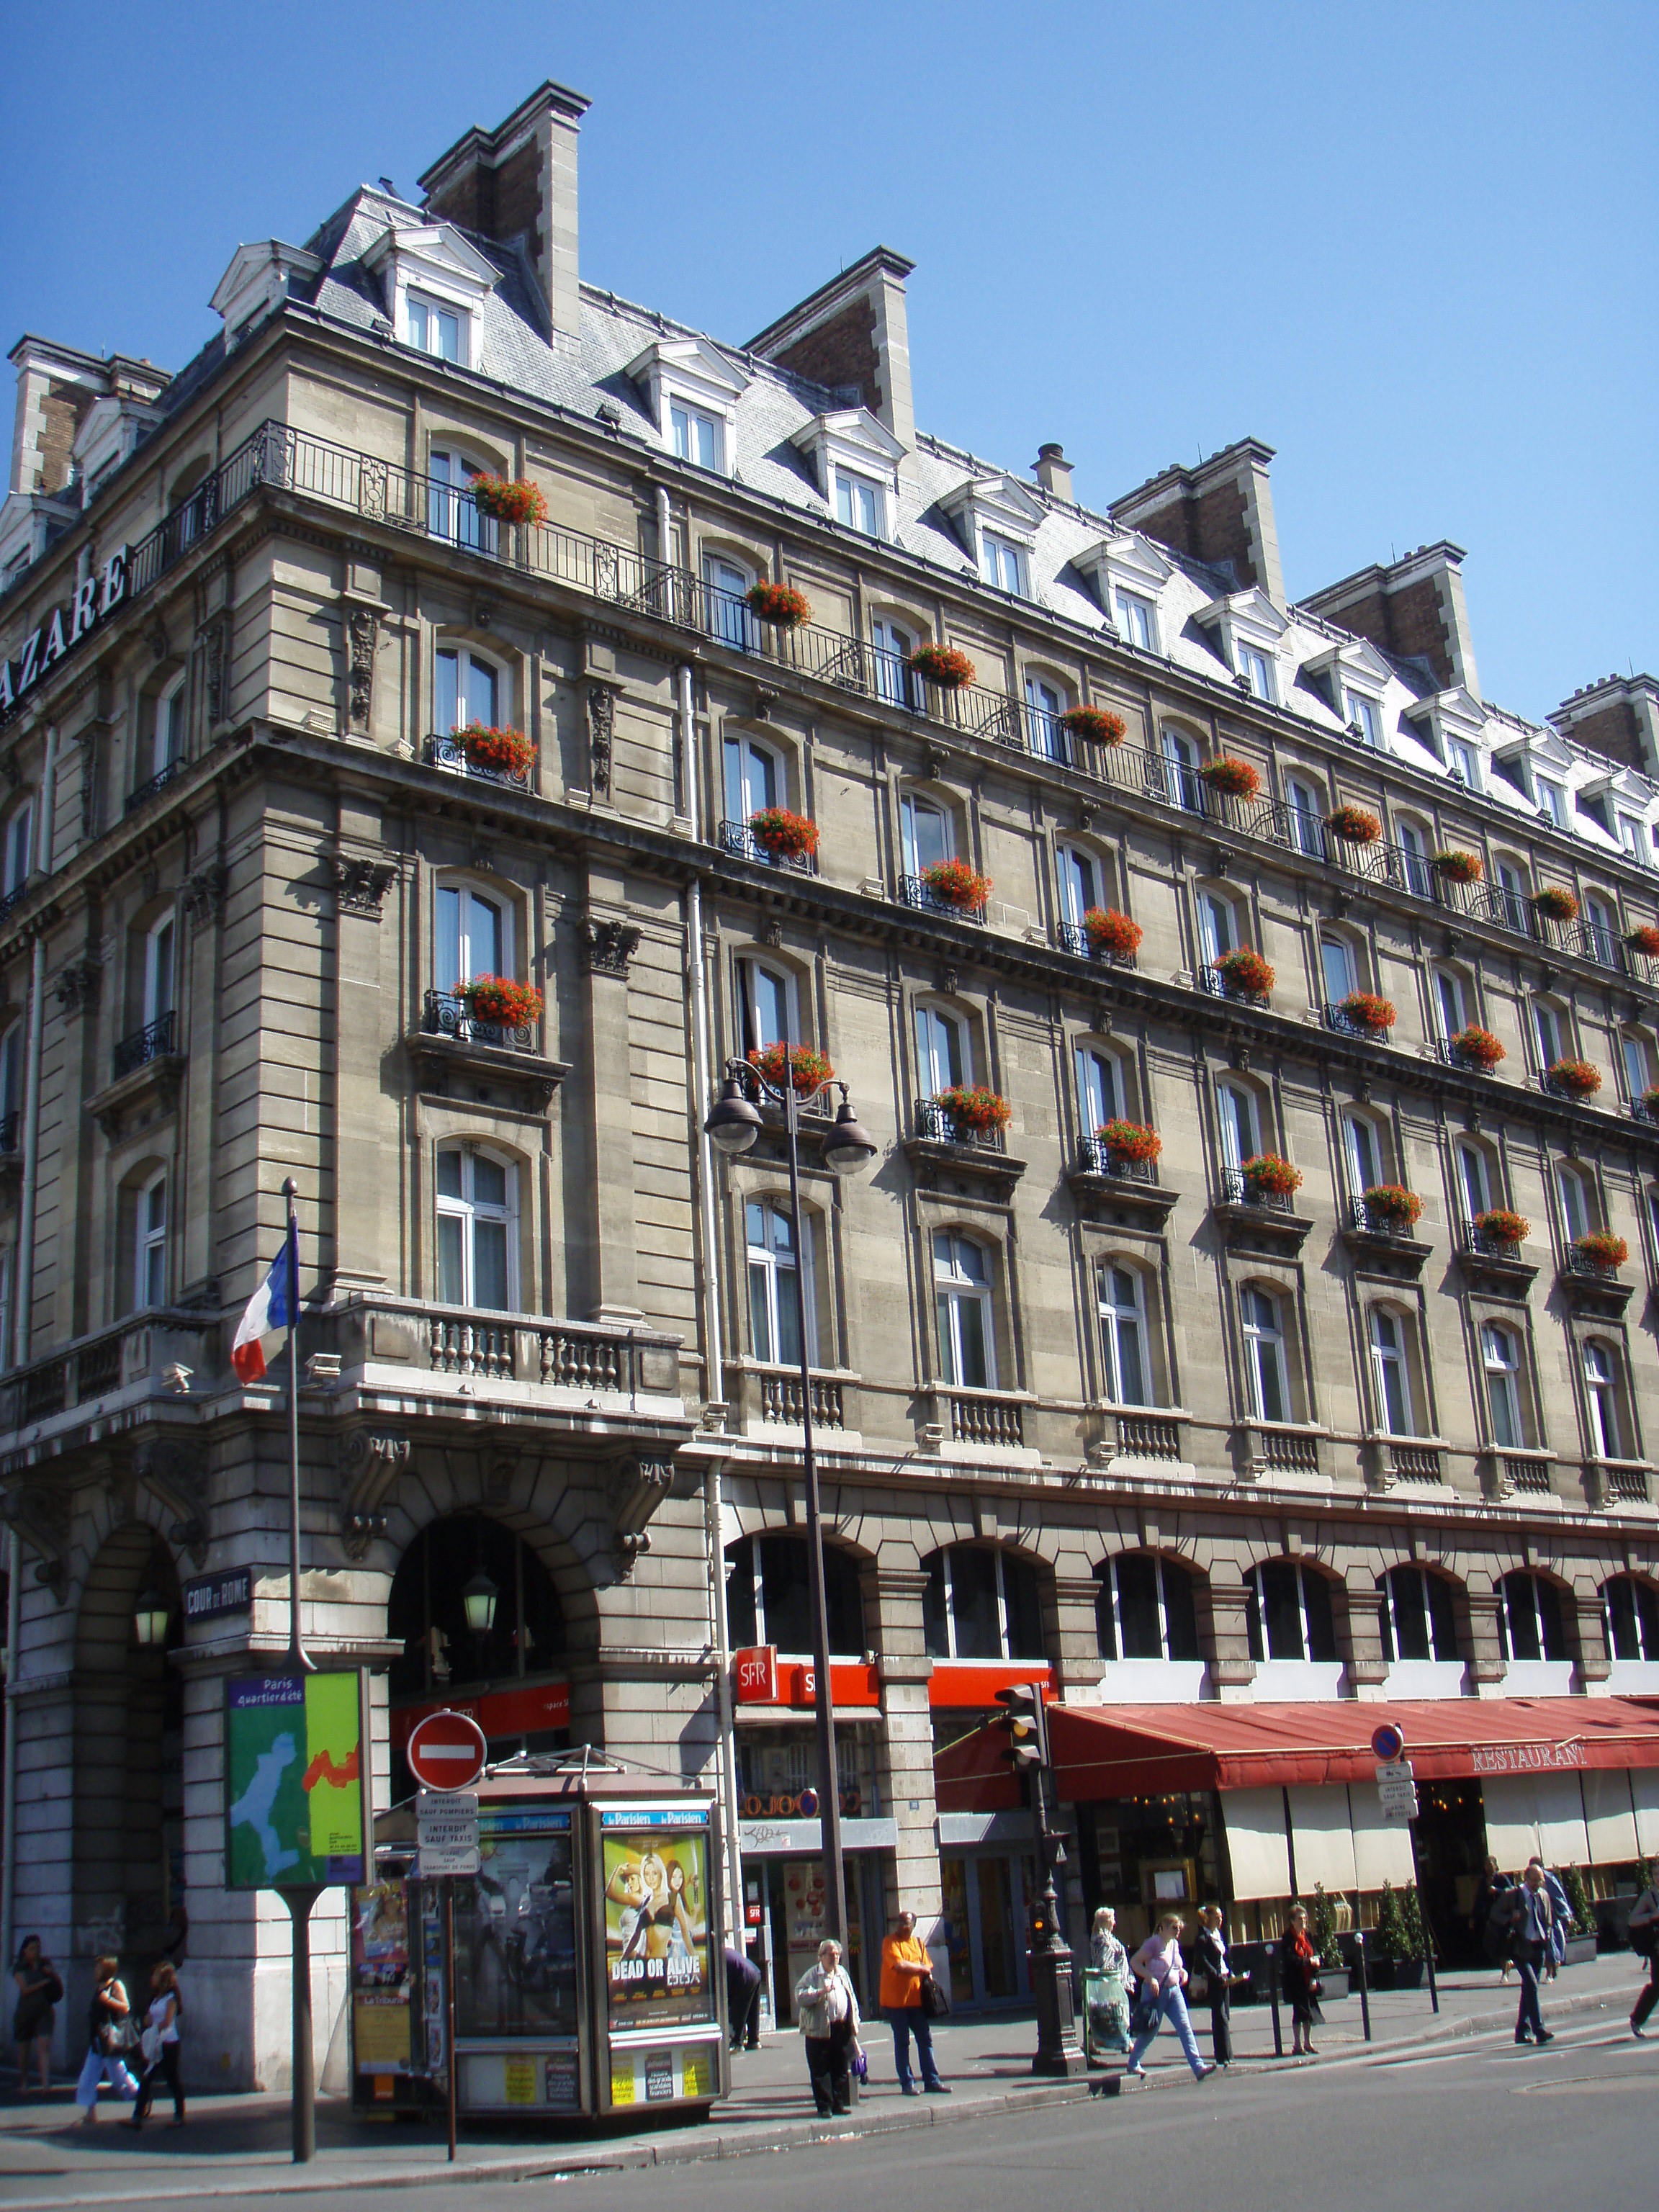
{"x":1339,"y":1447}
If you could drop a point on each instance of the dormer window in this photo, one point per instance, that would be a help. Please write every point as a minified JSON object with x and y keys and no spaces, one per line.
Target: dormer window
{"x":854,"y":463}
{"x":1552,"y":802}
{"x":693,"y":389}
{"x":436,"y":284}
{"x":1365,"y":716}
{"x":858,"y":504}
{"x":1464,"y":762}
{"x":1137,"y":620}
{"x":1001,"y":563}
{"x":998,"y":519}
{"x":1257,"y":671}
{"x":698,"y":437}
{"x":432,"y":328}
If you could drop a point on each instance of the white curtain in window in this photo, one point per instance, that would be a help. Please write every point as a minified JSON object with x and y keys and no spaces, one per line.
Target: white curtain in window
{"x":1257,"y":1846}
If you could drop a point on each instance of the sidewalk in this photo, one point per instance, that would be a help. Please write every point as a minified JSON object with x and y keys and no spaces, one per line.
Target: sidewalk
{"x":235,"y":2144}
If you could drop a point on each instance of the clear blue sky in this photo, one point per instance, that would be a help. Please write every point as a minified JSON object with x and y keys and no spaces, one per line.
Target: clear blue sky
{"x":1412,"y":247}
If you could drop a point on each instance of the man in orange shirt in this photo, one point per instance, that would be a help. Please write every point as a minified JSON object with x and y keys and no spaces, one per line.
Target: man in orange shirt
{"x":906,"y":1969}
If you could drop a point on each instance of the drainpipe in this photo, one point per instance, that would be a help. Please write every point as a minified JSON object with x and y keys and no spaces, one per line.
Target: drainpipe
{"x":662,"y":525}
{"x":23,"y":1290}
{"x":9,"y":1779}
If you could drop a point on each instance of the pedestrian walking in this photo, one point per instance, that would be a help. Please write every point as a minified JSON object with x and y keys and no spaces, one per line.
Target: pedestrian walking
{"x":1298,"y":1977}
{"x":1564,"y":1919}
{"x":743,"y":1984}
{"x":1108,"y":1990}
{"x":827,"y":2007}
{"x":109,"y":2038}
{"x":1162,"y":1974}
{"x":39,"y":1991}
{"x":1489,"y":1933}
{"x":1216,"y":1962}
{"x":1534,"y":1917}
{"x":160,"y":2047}
{"x":909,"y":1995}
{"x":1645,"y":1942}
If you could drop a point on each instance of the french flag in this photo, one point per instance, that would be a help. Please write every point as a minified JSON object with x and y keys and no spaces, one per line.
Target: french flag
{"x":268,"y":1310}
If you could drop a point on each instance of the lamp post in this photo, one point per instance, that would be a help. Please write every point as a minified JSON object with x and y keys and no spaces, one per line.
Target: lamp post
{"x":149,"y":1620}
{"x":734,"y":1122}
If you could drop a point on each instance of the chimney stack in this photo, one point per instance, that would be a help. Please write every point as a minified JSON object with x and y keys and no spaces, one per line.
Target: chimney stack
{"x":1220,"y":512}
{"x":1053,"y":473}
{"x":1413,"y":609}
{"x":519,"y":182}
{"x":1618,"y":718}
{"x":853,"y":332}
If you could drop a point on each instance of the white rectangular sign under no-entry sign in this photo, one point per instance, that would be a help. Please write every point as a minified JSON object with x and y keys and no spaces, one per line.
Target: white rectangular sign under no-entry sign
{"x":446,"y":1829}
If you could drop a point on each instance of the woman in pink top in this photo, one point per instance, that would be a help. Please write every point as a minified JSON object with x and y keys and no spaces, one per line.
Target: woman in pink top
{"x":1161,"y":1975}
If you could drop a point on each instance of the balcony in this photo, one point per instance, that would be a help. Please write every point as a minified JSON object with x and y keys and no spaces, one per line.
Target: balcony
{"x":145,"y":1072}
{"x":1147,"y":1436}
{"x":1488,"y":1263}
{"x":14,"y":897}
{"x":165,"y":1353}
{"x":449,"y":754}
{"x":982,"y":1423}
{"x":946,"y":1152}
{"x":1251,"y":1220}
{"x":914,"y":892}
{"x":154,"y":1042}
{"x":737,"y":839}
{"x":1522,"y":1474}
{"x":1390,"y":1460}
{"x":154,"y":785}
{"x":1109,"y":1188}
{"x":1074,"y":939}
{"x":1274,"y":1447}
{"x":1213,"y":985}
{"x":1347,"y":1024}
{"x":451,"y":1045}
{"x":1380,"y":1240}
{"x":1592,"y":1286}
{"x":1610,"y":1482}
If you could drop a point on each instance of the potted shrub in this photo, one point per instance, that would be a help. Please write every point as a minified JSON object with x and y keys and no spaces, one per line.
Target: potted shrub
{"x":1368,"y":1012}
{"x":787,"y":836}
{"x":1479,"y":1048}
{"x":1581,"y":1944}
{"x":977,"y":1108}
{"x":502,"y":1003}
{"x":944,"y":665}
{"x":1234,"y":777}
{"x":1129,"y":1144}
{"x":957,"y":885}
{"x":1502,"y":1226}
{"x":806,"y":1070}
{"x":498,"y":752}
{"x":1098,"y":723}
{"x":1458,"y":867}
{"x":1327,"y":1939}
{"x":1556,"y":904}
{"x":780,"y":603}
{"x":1397,"y":1961}
{"x":1602,"y":1249}
{"x":1644,"y":939}
{"x":1109,"y":930}
{"x":1650,"y":1102}
{"x":1267,"y":1175}
{"x":1357,"y":824}
{"x":1576,"y":1076}
{"x":1245,"y":973}
{"x":1398,"y":1210}
{"x":508,"y":499}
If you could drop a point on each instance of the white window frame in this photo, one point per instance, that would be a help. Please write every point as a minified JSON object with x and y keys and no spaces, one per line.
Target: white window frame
{"x":1264,"y":1344}
{"x":856,"y":492}
{"x":1359,"y":1130}
{"x":894,"y":642}
{"x":1552,"y":800}
{"x":748,"y":765}
{"x":1107,"y":1582}
{"x":1467,"y":1152}
{"x":1463,"y":763}
{"x":1637,"y":1063}
{"x":1178,"y":751}
{"x":1602,"y":1395}
{"x":1307,"y":819}
{"x":1506,"y":1623}
{"x":462,"y":955}
{"x":1331,"y":942}
{"x":1257,"y":1582}
{"x":1365,"y":714}
{"x":954,"y":1291}
{"x":1446,"y":978}
{"x":417,"y":300}
{"x":469,"y":1210}
{"x":151,"y":1246}
{"x":911,"y":804}
{"x":452,"y":515}
{"x":696,"y":418}
{"x":1134,"y":617}
{"x":1259,"y":670}
{"x":1237,"y":1117}
{"x":1386,"y":1591}
{"x":1389,"y":1336}
{"x":934,"y":1025}
{"x":767,"y":1263}
{"x":726,"y":581}
{"x":753,"y":1028}
{"x":1572,"y":1195}
{"x":1045,"y":703}
{"x":1074,"y":861}
{"x":947,"y":1553}
{"x":467,"y":658}
{"x":1099,"y":1085}
{"x":1643,"y":1655}
{"x":161,"y":969}
{"x":1413,"y":842}
{"x":997,"y":555}
{"x":1115,"y":1315}
{"x":1500,"y":1359}
{"x":167,"y":742}
{"x":1546,"y":1033}
{"x":1214,"y":907}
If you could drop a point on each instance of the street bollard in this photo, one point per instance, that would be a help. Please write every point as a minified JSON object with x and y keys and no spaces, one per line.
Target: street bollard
{"x":1364,"y":1989}
{"x":1273,"y":1999}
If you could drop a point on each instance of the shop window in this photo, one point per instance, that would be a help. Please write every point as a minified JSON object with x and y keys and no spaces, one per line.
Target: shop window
{"x":1145,"y":1608}
{"x":982,"y":1602}
{"x":476,"y":1209}
{"x":1288,"y":1612}
{"x":1630,"y":1618}
{"x":769,"y":1596}
{"x":961,"y":1295}
{"x":774,"y":1275}
{"x":1416,"y":1615}
{"x":1530,"y":1624}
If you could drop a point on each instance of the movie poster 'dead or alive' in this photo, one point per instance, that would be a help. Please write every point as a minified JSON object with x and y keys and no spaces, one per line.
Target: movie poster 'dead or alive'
{"x":656,"y":1929}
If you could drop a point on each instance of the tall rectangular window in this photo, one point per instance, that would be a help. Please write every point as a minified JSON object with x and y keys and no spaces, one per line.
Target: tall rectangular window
{"x":434,"y":329}
{"x":1256,"y":669}
{"x":698,"y":437}
{"x":1364,"y":716}
{"x":998,"y":561}
{"x":1137,"y":620}
{"x":858,"y":503}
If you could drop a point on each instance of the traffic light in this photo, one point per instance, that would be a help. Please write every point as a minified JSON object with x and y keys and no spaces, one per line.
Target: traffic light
{"x":1027,"y":1724}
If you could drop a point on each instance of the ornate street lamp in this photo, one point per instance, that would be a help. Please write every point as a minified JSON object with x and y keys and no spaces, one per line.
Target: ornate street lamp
{"x":479,"y":1602}
{"x":149,"y":1620}
{"x":734,"y":1122}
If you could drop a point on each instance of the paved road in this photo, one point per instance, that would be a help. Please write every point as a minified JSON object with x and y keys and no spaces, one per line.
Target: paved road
{"x":1482,"y":2125}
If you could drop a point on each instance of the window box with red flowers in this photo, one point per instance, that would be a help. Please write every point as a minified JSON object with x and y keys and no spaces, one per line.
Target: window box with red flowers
{"x":507,"y":499}
{"x":1244,"y":974}
{"x":1644,"y":939}
{"x":805,"y":1069}
{"x":1129,"y":1144}
{"x":1458,"y":867}
{"x":1098,"y":724}
{"x":1265,"y":1180}
{"x":1111,"y":933}
{"x":1356,"y":824}
{"x":954,"y":883}
{"x":1573,"y":1078}
{"x":1477,"y":1048}
{"x":965,"y":1113}
{"x":501,"y":1002}
{"x":1601,"y":1248}
{"x":944,"y":665}
{"x":1500,"y":1225}
{"x":1397,"y":1209}
{"x":1366,"y":1011}
{"x":1556,"y":904}
{"x":1233,"y":778}
{"x":787,"y":836}
{"x":781,"y":605}
{"x":504,"y":754}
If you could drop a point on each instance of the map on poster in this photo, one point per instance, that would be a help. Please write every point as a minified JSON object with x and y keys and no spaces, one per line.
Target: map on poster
{"x":294,"y":1781}
{"x":656,"y":1926}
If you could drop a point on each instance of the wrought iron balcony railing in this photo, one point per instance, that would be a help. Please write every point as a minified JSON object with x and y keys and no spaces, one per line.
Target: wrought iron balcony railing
{"x":451,"y":753}
{"x":154,"y":1042}
{"x":1484,"y":1245}
{"x":1347,"y":1024}
{"x":942,"y":1127}
{"x":739,"y":840}
{"x":1075,"y":937}
{"x":448,"y":1013}
{"x":147,"y":790}
{"x":913,"y":891}
{"x":1368,"y":1220}
{"x":1239,"y":1189}
{"x":14,"y":897}
{"x":1096,"y":1158}
{"x":1585,"y":1268}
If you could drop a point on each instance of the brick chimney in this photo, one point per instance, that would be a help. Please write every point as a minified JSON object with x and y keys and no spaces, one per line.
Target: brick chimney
{"x":851,"y":333}
{"x":1618,"y":718}
{"x":1414,"y":610}
{"x":518,"y":181}
{"x":1221,"y":512}
{"x":1054,"y":472}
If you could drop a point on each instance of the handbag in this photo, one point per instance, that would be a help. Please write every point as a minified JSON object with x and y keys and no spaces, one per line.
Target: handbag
{"x":935,"y":2005}
{"x":150,"y":2045}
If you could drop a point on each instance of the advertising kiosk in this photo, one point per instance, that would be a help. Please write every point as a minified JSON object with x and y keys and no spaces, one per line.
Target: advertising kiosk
{"x":588,"y":1974}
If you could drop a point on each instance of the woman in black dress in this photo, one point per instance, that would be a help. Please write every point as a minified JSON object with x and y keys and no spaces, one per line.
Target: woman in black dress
{"x":1298,"y":1965}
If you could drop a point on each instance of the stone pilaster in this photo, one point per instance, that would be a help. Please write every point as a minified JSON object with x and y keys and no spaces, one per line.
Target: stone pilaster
{"x":907,"y":1781}
{"x":1077,"y":1669}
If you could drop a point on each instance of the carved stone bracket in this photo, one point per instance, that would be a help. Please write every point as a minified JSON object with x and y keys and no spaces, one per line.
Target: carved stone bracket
{"x":602,"y":729}
{"x":362,"y":641}
{"x":608,"y":946}
{"x":155,"y":636}
{"x":175,"y":1474}
{"x":77,"y":982}
{"x":370,"y":1464}
{"x":216,"y":655}
{"x":361,"y":885}
{"x":638,"y":1487}
{"x":202,"y":893}
{"x":41,"y":1518}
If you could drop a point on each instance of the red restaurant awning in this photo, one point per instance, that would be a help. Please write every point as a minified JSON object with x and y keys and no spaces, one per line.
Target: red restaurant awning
{"x":1124,"y":1751}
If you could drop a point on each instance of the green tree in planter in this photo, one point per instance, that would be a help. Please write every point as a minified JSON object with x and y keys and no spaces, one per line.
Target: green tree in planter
{"x":1578,"y":1897}
{"x":1412,"y":1913}
{"x":1392,"y":1939}
{"x":1323,"y":1929}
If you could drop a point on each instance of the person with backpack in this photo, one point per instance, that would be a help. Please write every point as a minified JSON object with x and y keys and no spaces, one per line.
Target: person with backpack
{"x":161,"y":2047}
{"x":1645,"y":1942}
{"x":110,"y":2037}
{"x":40,"y":1991}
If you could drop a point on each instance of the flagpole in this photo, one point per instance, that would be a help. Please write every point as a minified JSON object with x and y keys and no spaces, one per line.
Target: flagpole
{"x":296,"y":1651}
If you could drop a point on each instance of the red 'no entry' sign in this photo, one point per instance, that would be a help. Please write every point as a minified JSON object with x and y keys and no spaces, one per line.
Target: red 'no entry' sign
{"x":445,"y":1750}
